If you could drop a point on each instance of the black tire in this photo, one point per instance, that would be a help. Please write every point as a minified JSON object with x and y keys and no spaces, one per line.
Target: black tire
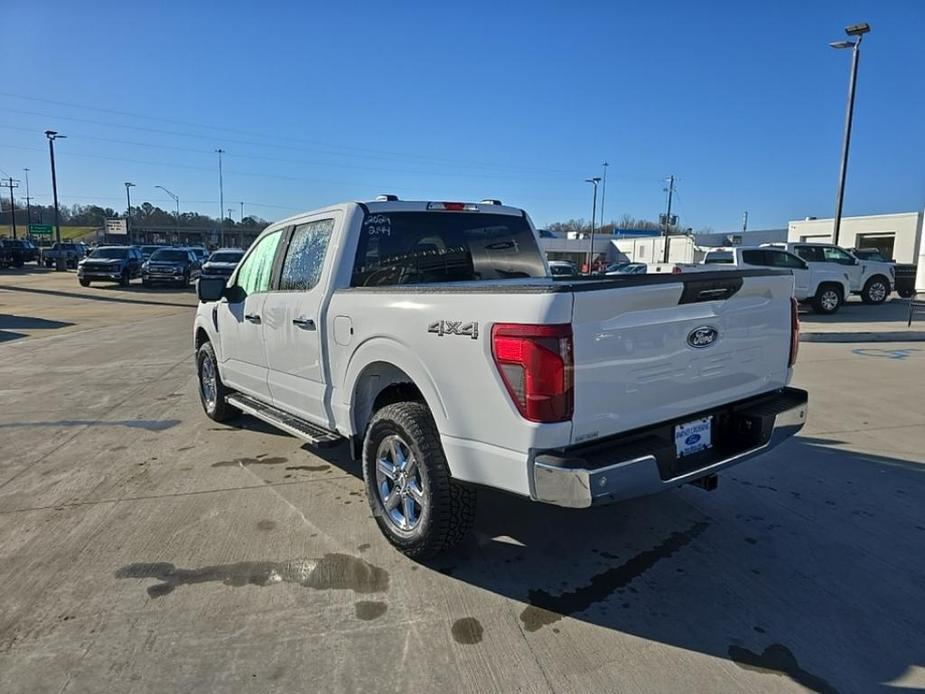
{"x":217,"y":409}
{"x":84,"y":283}
{"x":828,"y":299}
{"x":448,"y":509}
{"x":876,"y":290}
{"x":124,"y":279}
{"x":145,"y":283}
{"x":905,"y":293}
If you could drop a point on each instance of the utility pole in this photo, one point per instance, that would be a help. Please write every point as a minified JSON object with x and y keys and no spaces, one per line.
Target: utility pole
{"x":11,"y":184}
{"x":52,"y":136}
{"x":745,"y":221}
{"x":242,"y":212}
{"x":230,"y":212}
{"x":28,"y":203}
{"x":670,"y":190}
{"x":221,"y":198}
{"x":603,"y":193}
{"x":594,"y":181}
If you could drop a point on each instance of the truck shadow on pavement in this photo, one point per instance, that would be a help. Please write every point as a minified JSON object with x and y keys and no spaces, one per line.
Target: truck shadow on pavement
{"x":99,"y":297}
{"x":10,"y":322}
{"x":893,"y":311}
{"x":808,"y":567}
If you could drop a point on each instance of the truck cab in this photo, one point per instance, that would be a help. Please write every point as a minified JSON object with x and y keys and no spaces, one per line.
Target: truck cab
{"x":824,"y":287}
{"x":872,"y":280}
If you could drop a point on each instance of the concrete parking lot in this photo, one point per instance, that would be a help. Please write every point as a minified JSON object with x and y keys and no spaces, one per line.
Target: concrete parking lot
{"x":145,"y":548}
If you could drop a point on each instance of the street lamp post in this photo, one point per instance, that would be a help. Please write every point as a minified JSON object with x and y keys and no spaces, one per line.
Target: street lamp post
{"x":594,"y":181}
{"x":28,"y":202}
{"x":176,"y":200}
{"x":128,"y":210}
{"x":52,"y":136}
{"x":221,"y":198}
{"x":603,"y":193}
{"x":857,"y":30}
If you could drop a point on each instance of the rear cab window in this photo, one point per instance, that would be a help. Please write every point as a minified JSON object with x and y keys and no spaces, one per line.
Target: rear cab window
{"x":442,"y":246}
{"x":715,"y":257}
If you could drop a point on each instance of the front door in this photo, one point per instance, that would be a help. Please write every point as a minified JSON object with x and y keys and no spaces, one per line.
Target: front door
{"x":240,"y":321}
{"x":800,"y":270}
{"x":294,"y":325}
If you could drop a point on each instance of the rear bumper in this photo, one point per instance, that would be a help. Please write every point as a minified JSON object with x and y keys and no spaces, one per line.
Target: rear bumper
{"x":644,"y":461}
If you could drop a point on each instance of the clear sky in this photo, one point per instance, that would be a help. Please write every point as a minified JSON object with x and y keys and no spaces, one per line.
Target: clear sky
{"x":318,"y":102}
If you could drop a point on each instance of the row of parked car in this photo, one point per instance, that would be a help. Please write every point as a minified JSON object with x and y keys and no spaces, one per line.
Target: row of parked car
{"x":825,"y":275}
{"x":155,"y":265}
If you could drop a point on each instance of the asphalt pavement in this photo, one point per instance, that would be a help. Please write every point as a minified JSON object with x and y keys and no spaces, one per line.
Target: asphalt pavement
{"x":144,"y":548}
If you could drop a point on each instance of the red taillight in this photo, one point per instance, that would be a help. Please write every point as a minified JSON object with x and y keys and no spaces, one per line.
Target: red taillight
{"x":794,"y":332}
{"x":535,"y":363}
{"x":676,"y":270}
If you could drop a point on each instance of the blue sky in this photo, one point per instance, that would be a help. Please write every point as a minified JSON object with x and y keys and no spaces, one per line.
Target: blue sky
{"x":321,"y":102}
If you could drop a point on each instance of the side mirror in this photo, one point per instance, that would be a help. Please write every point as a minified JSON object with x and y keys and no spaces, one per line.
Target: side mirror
{"x":210,"y":288}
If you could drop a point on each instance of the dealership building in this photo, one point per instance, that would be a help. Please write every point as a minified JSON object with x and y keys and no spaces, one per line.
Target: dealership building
{"x":896,"y":236}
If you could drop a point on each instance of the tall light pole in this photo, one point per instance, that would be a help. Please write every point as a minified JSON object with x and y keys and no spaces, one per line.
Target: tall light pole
{"x":52,"y":136}
{"x":11,"y":184}
{"x":242,"y":212}
{"x":128,"y":199}
{"x":176,"y":200}
{"x":857,"y":30}
{"x":593,"y":181}
{"x":221,"y":197}
{"x":603,"y":193}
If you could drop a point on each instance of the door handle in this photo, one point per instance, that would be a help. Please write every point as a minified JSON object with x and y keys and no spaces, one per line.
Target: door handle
{"x":252,"y":317}
{"x":304,"y":323}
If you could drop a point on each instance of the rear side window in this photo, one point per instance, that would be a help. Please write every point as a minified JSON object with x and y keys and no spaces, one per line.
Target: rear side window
{"x":783,"y":259}
{"x":305,"y":257}
{"x":718,"y":257}
{"x":811,"y":254}
{"x":423,"y":247}
{"x":754,"y":258}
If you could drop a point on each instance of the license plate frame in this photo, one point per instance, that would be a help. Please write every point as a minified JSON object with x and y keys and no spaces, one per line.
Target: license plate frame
{"x":693,"y":436}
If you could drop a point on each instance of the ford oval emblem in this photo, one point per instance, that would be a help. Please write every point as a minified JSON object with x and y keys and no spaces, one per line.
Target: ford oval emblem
{"x":692,"y":439}
{"x":701,"y":337}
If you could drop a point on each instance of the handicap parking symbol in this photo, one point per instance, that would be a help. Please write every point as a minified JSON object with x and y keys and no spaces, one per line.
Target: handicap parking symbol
{"x":885,"y":353}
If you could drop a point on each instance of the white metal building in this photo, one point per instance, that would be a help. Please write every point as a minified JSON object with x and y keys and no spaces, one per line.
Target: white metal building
{"x":896,"y":236}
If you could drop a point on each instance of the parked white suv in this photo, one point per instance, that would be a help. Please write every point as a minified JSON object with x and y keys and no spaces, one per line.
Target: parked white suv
{"x":432,"y":338}
{"x":871,"y":279}
{"x":821,"y":285}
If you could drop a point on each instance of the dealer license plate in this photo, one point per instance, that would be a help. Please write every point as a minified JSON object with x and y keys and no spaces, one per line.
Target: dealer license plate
{"x":693,"y":437}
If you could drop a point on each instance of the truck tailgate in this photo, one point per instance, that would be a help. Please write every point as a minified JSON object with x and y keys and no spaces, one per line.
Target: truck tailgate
{"x":642,"y":358}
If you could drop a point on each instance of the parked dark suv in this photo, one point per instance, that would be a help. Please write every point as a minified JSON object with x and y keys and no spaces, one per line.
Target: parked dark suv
{"x":110,"y":264}
{"x":170,"y":266}
{"x":15,"y":253}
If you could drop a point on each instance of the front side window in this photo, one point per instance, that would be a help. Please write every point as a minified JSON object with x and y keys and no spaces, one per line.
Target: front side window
{"x":254,"y":273}
{"x":834,"y":254}
{"x":305,"y":257}
{"x":423,"y":247}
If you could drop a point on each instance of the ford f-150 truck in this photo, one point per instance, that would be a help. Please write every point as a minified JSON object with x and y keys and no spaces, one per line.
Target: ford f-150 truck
{"x":432,"y":337}
{"x":823,"y":286}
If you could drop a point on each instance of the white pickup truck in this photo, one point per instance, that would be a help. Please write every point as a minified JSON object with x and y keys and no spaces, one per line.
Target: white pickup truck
{"x":823,"y":286}
{"x":872,"y":280}
{"x":431,"y":337}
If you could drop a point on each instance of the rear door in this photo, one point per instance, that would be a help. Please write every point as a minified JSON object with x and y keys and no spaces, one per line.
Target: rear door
{"x":640,"y":359}
{"x":783,"y":260}
{"x":294,"y":323}
{"x":240,"y":320}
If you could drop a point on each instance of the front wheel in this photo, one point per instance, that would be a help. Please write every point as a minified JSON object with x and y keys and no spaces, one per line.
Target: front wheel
{"x":875,"y":291}
{"x":419,"y":508}
{"x":828,"y":300}
{"x":84,"y":283}
{"x":212,"y":391}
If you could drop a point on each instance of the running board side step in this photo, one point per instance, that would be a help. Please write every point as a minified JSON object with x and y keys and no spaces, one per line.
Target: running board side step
{"x":312,"y":433}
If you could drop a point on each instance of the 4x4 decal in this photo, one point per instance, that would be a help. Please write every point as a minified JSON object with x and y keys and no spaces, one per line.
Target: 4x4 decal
{"x":453,"y":327}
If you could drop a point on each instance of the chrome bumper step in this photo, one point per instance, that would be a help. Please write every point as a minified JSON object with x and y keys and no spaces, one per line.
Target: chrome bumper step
{"x":300,"y":428}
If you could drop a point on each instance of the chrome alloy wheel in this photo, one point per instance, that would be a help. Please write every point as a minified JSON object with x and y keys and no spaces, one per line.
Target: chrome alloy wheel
{"x":399,"y":484}
{"x":207,"y":383}
{"x":829,"y":300}
{"x":877,"y":292}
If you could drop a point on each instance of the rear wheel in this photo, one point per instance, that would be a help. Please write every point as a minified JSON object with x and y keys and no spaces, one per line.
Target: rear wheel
{"x":419,"y":508}
{"x":212,"y":391}
{"x":84,"y":283}
{"x":876,"y":290}
{"x":828,"y":299}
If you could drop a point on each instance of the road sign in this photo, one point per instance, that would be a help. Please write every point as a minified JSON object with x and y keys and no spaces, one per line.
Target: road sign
{"x":116,"y":227}
{"x":41,"y":229}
